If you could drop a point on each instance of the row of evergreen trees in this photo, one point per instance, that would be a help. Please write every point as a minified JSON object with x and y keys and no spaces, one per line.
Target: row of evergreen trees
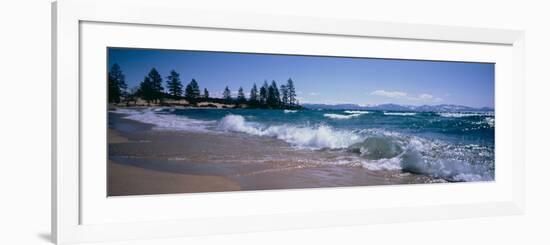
{"x":151,"y":90}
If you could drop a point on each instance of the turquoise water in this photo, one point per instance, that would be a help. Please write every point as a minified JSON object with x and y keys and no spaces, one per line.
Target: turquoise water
{"x":451,"y":146}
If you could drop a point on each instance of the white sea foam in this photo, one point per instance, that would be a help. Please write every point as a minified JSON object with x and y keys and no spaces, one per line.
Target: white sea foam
{"x":290,"y":111}
{"x":450,"y":162}
{"x":340,"y":116}
{"x":374,"y":149}
{"x":377,"y":149}
{"x":393,"y":151}
{"x":128,"y":111}
{"x":237,"y":123}
{"x":357,"y":112}
{"x":399,"y":113}
{"x":162,"y":121}
{"x":490,"y":121}
{"x":393,"y":163}
{"x":486,"y":122}
{"x":318,"y":137}
{"x":465,"y":114}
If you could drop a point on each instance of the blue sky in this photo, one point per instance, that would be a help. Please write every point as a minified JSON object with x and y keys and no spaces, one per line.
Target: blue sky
{"x":320,"y":79}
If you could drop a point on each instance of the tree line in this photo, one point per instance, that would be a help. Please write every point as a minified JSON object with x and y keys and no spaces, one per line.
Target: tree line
{"x":151,"y":89}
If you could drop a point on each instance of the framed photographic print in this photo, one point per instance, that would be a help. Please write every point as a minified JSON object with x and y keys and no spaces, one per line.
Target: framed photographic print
{"x":168,"y":125}
{"x":293,"y":134}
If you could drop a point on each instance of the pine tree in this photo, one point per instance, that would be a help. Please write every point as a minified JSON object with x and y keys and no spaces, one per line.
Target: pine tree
{"x":263,"y":93}
{"x":117,"y":84}
{"x":227,"y":94}
{"x":277,"y":94}
{"x":253,"y":100}
{"x":284,"y":96}
{"x":206,"y":94}
{"x":146,"y":90}
{"x":173,"y":84}
{"x":156,"y":84}
{"x":192,"y":91}
{"x":273,"y":96}
{"x":240,"y":96}
{"x":291,"y":93}
{"x":254,"y":93}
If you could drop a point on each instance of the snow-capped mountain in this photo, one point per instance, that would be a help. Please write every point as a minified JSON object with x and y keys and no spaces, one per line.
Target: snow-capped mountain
{"x":396,"y":107}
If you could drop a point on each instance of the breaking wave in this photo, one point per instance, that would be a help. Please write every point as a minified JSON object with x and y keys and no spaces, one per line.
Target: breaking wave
{"x":463,"y":114}
{"x":319,"y":137}
{"x":166,"y":121}
{"x":380,"y":150}
{"x":357,"y":112}
{"x":490,"y":121}
{"x":374,"y":149}
{"x":340,"y":116}
{"x":399,"y":113}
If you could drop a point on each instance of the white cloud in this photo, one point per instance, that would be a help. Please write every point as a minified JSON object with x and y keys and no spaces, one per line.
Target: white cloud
{"x":313,"y":93}
{"x":424,"y":97}
{"x":391,"y":94}
{"x":437,"y":99}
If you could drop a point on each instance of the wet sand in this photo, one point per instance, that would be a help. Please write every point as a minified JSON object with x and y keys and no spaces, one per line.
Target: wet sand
{"x":129,"y":180}
{"x":147,"y":161}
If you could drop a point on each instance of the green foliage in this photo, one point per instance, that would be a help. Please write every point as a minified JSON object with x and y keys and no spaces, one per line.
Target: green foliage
{"x":173,"y":84}
{"x":269,"y":96}
{"x":151,"y":88}
{"x":284,"y":95}
{"x":291,"y":93}
{"x":263,"y":94}
{"x":227,"y":94}
{"x":116,"y":83}
{"x":156,"y":81}
{"x":146,"y":90}
{"x":253,"y":100}
{"x":273,"y":96}
{"x":240,"y":96}
{"x":192,"y":91}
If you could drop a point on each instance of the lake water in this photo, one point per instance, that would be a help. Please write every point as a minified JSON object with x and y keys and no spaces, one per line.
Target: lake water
{"x":456,"y":146}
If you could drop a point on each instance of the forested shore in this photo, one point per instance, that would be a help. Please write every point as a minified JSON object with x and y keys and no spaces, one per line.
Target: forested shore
{"x":153,"y":90}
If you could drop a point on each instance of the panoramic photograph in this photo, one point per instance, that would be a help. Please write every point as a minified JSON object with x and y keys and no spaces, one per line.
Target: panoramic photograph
{"x":187,"y":121}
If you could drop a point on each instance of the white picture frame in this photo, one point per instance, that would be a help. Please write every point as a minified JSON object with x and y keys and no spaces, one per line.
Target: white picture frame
{"x":68,"y":17}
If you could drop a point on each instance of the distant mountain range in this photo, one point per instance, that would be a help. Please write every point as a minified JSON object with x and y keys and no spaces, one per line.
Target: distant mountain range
{"x":396,"y":107}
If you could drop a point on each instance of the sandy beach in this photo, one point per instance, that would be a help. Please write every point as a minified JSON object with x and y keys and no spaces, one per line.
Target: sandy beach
{"x":147,"y":161}
{"x":128,"y":180}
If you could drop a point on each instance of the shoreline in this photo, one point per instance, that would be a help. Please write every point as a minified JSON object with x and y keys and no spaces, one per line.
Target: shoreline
{"x":125,"y":179}
{"x":129,"y":180}
{"x":146,"y":161}
{"x":183,"y":104}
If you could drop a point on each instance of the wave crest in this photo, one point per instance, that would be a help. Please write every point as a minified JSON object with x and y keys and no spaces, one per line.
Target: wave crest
{"x":340,"y":116}
{"x":319,"y":137}
{"x":165,"y":121}
{"x":374,"y":149}
{"x":399,"y":113}
{"x":357,"y":112}
{"x":465,"y":114}
{"x":380,"y":150}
